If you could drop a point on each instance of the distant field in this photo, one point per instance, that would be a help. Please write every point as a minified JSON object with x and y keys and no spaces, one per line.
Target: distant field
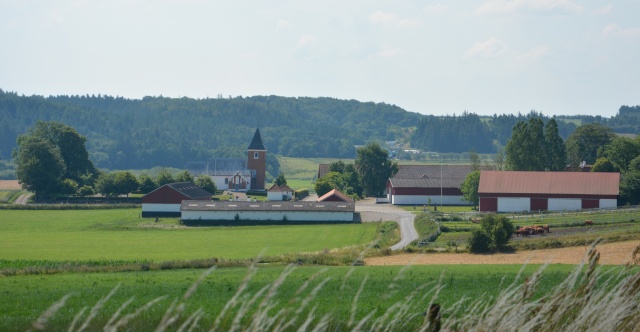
{"x":10,"y":185}
{"x":26,"y":297}
{"x":122,"y":235}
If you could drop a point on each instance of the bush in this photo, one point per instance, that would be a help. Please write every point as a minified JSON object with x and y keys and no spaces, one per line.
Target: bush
{"x":479,"y":242}
{"x":301,"y":193}
{"x":493,"y":235}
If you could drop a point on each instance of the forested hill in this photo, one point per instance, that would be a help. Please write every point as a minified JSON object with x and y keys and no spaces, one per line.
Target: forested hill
{"x":157,"y":131}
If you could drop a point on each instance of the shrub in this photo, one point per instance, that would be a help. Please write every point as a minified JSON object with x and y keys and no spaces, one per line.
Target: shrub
{"x":479,"y":241}
{"x":494,"y":234}
{"x":301,"y":193}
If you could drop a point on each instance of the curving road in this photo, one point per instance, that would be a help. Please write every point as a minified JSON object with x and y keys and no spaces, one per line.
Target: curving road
{"x":22,"y":199}
{"x":371,"y":212}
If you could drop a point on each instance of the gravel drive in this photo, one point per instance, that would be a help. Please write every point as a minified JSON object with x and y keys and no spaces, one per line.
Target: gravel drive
{"x":372,"y":212}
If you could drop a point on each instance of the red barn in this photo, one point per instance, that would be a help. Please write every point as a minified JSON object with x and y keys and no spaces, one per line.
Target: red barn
{"x":165,"y":201}
{"x":516,"y":191}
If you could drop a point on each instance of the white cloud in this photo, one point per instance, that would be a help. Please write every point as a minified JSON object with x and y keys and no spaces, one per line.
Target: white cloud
{"x":436,"y":9}
{"x":535,"y":53}
{"x":489,"y":48}
{"x":391,"y":19}
{"x":604,"y":10}
{"x":510,"y":6}
{"x":386,"y":51}
{"x":283,"y":25}
{"x":306,"y":41}
{"x":616,"y":30}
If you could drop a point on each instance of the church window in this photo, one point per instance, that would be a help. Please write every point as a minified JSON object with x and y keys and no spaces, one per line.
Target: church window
{"x":226,"y":180}
{"x":255,"y":155}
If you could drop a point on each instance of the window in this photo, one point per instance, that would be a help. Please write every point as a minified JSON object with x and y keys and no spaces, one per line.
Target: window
{"x":226,"y":180}
{"x":255,"y":155}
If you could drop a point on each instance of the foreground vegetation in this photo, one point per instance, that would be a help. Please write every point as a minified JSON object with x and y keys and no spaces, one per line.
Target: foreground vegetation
{"x":426,"y":298}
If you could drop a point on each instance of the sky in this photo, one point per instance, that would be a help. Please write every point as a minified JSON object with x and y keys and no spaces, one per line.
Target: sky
{"x":558,"y":57}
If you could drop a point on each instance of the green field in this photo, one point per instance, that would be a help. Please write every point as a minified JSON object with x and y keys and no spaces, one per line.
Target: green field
{"x":121,"y":235}
{"x":26,"y":297}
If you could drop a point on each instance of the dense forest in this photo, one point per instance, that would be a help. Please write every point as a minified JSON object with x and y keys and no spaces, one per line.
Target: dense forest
{"x":158,"y":131}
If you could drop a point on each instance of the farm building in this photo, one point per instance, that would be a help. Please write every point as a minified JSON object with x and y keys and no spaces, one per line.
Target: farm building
{"x":511,"y":191}
{"x":421,"y":184}
{"x":279,"y":193}
{"x":285,"y":211}
{"x":165,"y":201}
{"x":236,"y":174}
{"x":335,"y":196}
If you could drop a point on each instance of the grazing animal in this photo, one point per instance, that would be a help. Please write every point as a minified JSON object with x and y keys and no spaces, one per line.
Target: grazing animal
{"x":588,"y":222}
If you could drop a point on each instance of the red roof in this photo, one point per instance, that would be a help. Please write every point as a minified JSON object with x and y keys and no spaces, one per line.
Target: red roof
{"x":515,"y":182}
{"x":336,"y":194}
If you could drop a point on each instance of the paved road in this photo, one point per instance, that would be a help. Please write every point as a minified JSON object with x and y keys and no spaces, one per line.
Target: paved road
{"x":370,"y":211}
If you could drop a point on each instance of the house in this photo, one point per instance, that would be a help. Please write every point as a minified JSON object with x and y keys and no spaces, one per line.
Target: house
{"x":279,"y":193}
{"x":421,"y":184}
{"x":230,"y":213}
{"x":517,"y":191}
{"x":335,"y":196}
{"x":236,"y":174}
{"x":165,"y":201}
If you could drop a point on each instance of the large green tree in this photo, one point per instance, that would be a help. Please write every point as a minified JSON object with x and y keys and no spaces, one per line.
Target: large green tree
{"x":126,"y":183}
{"x":204,"y":181}
{"x":39,"y":166}
{"x":375,"y":168}
{"x":72,"y":148}
{"x":585,"y":141}
{"x":556,"y":156}
{"x":526,"y":148}
{"x":469,"y":188}
{"x":621,"y":151}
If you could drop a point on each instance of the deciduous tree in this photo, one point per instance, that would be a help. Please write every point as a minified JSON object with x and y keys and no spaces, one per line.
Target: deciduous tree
{"x":374,"y":168}
{"x":556,"y":156}
{"x":469,"y":187}
{"x":280,"y":180}
{"x":204,"y":181}
{"x":585,"y":141}
{"x":39,"y":166}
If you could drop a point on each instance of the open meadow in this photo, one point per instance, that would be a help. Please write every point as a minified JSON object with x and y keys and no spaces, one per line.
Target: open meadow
{"x":120,"y":234}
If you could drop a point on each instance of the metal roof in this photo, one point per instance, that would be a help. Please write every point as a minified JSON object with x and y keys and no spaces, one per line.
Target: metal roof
{"x":429,"y":176}
{"x":517,"y":182}
{"x":256,"y":143}
{"x":267,"y":206}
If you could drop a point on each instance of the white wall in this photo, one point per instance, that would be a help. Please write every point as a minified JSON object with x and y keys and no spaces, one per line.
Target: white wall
{"x":219,"y":181}
{"x":274,"y":195}
{"x":268,"y":215}
{"x":559,"y":204}
{"x":514,"y":204}
{"x":154,"y":207}
{"x":608,"y":203}
{"x":423,"y":200}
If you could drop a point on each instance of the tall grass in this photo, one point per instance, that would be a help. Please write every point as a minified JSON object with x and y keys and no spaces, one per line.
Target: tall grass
{"x":589,"y":299}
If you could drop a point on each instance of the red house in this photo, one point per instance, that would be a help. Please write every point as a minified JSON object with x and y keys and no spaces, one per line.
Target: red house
{"x":165,"y":201}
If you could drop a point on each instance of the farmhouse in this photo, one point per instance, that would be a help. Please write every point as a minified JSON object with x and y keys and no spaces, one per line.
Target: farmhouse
{"x":236,"y":174}
{"x":279,"y":193}
{"x":421,"y":184}
{"x":335,"y":196}
{"x":511,"y":191}
{"x":165,"y":201}
{"x":265,"y":212}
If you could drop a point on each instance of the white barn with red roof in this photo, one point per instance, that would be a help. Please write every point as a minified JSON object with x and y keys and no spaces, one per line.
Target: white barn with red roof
{"x":421,"y":184}
{"x":518,"y":191}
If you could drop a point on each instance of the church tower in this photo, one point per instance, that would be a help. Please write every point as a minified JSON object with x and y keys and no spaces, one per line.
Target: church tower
{"x":257,"y":161}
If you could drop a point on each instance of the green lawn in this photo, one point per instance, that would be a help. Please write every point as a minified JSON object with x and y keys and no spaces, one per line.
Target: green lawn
{"x":26,"y":297}
{"x":122,"y":235}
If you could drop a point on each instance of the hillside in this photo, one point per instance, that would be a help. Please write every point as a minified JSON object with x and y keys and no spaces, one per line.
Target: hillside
{"x":158,"y":131}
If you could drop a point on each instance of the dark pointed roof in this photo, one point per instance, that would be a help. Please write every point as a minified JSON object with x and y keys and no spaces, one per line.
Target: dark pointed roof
{"x":256,"y":143}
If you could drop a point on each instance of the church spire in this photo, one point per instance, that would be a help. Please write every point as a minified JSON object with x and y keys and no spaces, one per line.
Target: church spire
{"x":256,"y":143}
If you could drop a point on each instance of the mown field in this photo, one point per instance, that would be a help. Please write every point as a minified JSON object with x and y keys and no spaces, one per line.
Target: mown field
{"x":374,"y":289}
{"x":120,"y":234}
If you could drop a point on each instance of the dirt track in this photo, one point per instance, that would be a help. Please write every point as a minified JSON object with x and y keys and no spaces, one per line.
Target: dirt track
{"x":610,"y":253}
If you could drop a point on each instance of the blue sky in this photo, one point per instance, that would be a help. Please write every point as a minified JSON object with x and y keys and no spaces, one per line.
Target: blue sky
{"x":432,"y":57}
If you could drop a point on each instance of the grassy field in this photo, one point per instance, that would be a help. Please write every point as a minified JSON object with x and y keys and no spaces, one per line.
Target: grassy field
{"x":26,"y":297}
{"x":121,"y":235}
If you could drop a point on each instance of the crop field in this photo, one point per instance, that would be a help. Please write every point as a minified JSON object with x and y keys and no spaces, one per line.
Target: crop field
{"x":120,"y":234}
{"x":370,"y":288}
